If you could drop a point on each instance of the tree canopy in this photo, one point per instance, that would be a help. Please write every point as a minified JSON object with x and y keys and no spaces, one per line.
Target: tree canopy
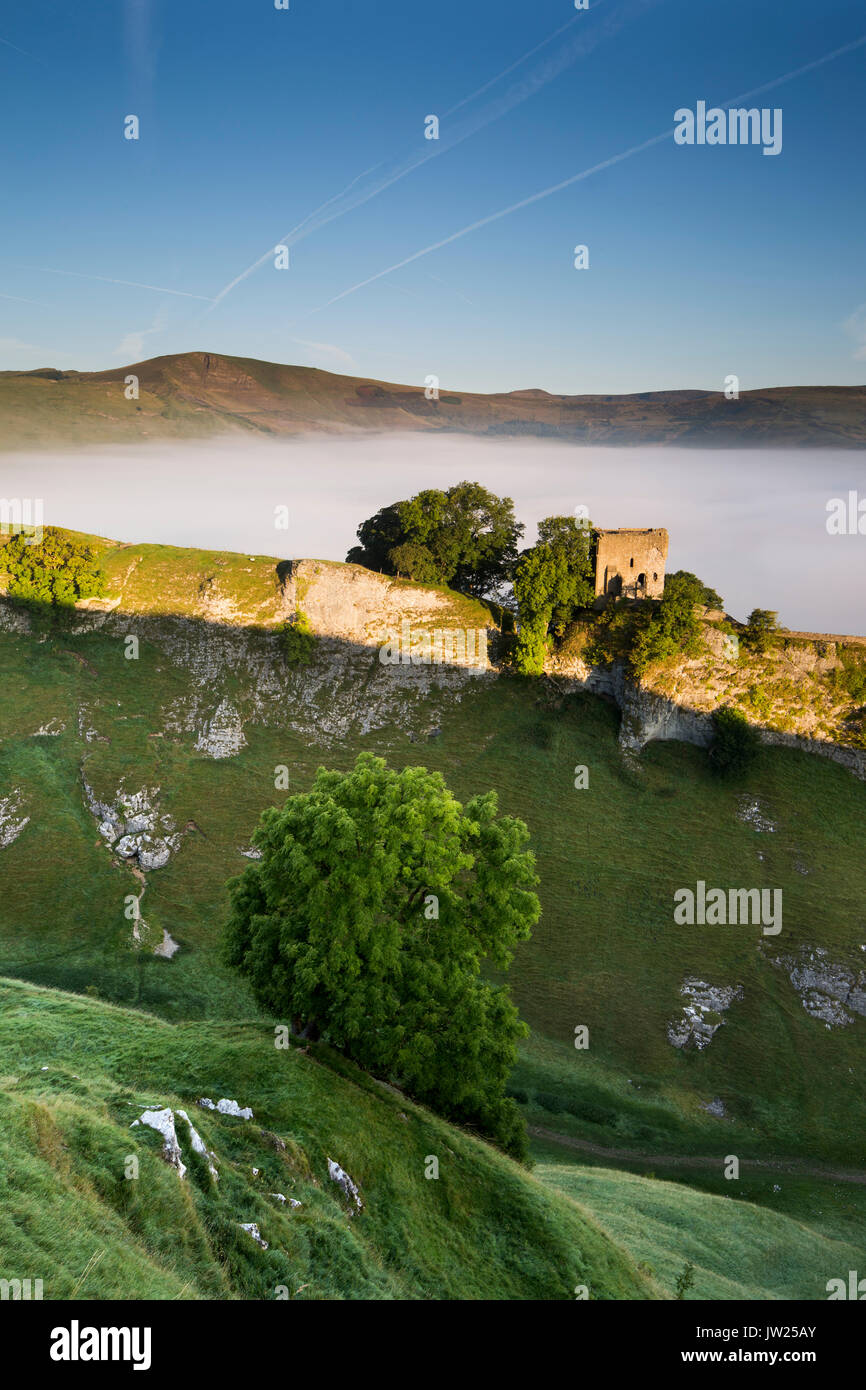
{"x":55,"y":572}
{"x":647,"y":633}
{"x":367,"y":919}
{"x":552,"y":580}
{"x":464,"y":536}
{"x":760,"y":632}
{"x":688,"y":584}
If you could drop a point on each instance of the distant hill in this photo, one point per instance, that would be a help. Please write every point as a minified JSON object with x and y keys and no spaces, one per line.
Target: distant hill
{"x":201,"y":394}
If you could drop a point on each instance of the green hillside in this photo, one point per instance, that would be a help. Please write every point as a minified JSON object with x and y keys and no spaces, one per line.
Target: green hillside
{"x":78,"y":1072}
{"x":78,"y":721}
{"x":737,"y":1249}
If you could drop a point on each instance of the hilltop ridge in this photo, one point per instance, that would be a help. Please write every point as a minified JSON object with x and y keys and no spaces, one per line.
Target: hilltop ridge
{"x":201,"y":394}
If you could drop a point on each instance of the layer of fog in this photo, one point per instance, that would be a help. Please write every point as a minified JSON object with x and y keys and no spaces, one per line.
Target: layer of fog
{"x":752,"y":523}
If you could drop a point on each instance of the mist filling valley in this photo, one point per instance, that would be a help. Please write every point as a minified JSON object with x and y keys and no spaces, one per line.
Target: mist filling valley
{"x":751,"y":523}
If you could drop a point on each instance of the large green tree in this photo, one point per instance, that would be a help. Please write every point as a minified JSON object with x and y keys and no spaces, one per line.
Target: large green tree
{"x":464,"y":536}
{"x":367,"y":919}
{"x":552,"y":581}
{"x":54,"y":572}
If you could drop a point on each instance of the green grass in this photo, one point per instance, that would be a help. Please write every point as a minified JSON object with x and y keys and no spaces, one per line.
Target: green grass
{"x":738,"y":1249}
{"x":606,"y":953}
{"x":77,"y":1072}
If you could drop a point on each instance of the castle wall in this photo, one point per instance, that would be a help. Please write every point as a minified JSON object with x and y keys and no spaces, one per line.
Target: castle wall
{"x":631,"y":563}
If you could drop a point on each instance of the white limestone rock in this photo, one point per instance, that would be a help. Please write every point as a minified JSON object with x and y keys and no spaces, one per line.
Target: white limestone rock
{"x":252,"y":1230}
{"x":11,"y":821}
{"x":168,"y":947}
{"x":342,"y":1179}
{"x":163,"y":1122}
{"x":828,"y":990}
{"x":227,"y":1107}
{"x":199,"y":1145}
{"x":133,"y":826}
{"x":702,"y":1015}
{"x":223,"y":734}
{"x":752,"y":812}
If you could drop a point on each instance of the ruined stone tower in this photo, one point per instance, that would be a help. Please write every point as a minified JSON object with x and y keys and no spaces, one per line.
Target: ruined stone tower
{"x":630,"y":564}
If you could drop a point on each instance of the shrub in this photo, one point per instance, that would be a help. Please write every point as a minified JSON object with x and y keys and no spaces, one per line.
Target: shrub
{"x":55,"y":573}
{"x":735,"y":745}
{"x":548,"y":1101}
{"x":298,"y":641}
{"x":760,"y":632}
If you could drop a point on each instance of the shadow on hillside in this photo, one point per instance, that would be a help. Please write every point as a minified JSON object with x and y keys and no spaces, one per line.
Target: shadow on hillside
{"x":352,"y":681}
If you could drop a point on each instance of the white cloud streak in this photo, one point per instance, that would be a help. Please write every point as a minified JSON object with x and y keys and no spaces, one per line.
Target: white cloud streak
{"x":583,"y":174}
{"x":539,"y":77}
{"x":136,"y":284}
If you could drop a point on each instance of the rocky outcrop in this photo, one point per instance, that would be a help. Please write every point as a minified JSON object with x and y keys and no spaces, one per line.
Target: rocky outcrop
{"x":685,"y":712}
{"x":345,"y":1183}
{"x":11,"y":821}
{"x":702,"y":1015}
{"x":227,"y":1107}
{"x":223,"y":734}
{"x":132,"y":826}
{"x":253,"y":1231}
{"x":828,"y":990}
{"x":163,"y":1122}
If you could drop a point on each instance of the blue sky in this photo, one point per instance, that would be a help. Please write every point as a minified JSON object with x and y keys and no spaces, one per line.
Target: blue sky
{"x":704,"y":261}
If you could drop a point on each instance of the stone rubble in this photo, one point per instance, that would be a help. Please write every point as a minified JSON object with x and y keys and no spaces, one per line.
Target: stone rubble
{"x":828,"y":990}
{"x":10,"y":824}
{"x":701,"y":1017}
{"x":227,"y":1107}
{"x":751,"y":812}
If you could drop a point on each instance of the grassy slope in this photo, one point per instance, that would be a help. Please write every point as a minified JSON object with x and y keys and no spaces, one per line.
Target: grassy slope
{"x":77,"y":1072}
{"x":738,"y":1250}
{"x":606,"y":952}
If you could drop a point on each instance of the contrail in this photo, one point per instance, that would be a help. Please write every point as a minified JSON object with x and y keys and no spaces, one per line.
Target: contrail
{"x":584,"y":174}
{"x":23,"y":51}
{"x":515,"y":95}
{"x":505,"y":71}
{"x":18,"y":300}
{"x":287,"y":239}
{"x":136,"y":284}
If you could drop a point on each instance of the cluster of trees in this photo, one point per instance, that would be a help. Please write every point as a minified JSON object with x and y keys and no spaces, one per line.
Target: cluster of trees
{"x":465,"y":537}
{"x":644,"y":634}
{"x":54,"y":572}
{"x":366,"y":922}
